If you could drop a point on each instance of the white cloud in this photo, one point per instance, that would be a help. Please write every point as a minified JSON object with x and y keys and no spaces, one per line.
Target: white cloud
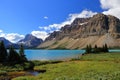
{"x":45,"y":17}
{"x":70,"y":19}
{"x":112,"y":7}
{"x":1,"y":31}
{"x":12,"y":37}
{"x":43,"y":33}
{"x":40,"y":34}
{"x":109,"y":4}
{"x":83,"y":14}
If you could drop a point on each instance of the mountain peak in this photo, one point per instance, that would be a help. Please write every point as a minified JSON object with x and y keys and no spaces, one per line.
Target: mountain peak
{"x":28,"y":35}
{"x":87,"y":31}
{"x":99,"y":15}
{"x":7,"y":42}
{"x":2,"y":38}
{"x":30,"y":41}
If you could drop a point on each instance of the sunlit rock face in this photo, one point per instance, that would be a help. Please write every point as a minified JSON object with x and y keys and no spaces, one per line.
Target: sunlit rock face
{"x":99,"y":29}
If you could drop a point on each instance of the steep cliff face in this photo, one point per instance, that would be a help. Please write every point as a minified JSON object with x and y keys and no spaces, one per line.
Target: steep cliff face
{"x":99,"y":29}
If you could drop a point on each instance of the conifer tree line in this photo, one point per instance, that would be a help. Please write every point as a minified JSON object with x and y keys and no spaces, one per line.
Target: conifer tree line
{"x":96,"y":49}
{"x":11,"y":56}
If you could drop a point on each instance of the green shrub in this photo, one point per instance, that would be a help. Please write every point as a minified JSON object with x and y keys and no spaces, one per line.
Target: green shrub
{"x":3,"y":73}
{"x":28,"y":66}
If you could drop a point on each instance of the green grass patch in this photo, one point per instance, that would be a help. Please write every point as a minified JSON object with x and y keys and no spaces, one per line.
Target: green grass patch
{"x":90,"y":67}
{"x":25,"y":78}
{"x":101,"y":57}
{"x":38,"y":63}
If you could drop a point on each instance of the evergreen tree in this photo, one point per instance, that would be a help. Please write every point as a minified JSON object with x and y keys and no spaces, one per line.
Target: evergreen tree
{"x":106,"y":48}
{"x":88,"y":49}
{"x":13,"y":56}
{"x":103,"y":48}
{"x":96,"y":49}
{"x":21,"y":53}
{"x":3,"y":52}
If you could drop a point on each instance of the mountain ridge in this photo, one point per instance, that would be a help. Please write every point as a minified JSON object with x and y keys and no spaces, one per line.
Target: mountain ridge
{"x":97,"y":30}
{"x":7,"y":42}
{"x":29,"y":41}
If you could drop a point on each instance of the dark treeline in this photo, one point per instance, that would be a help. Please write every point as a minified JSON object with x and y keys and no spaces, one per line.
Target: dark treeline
{"x":11,"y":56}
{"x":96,"y":49}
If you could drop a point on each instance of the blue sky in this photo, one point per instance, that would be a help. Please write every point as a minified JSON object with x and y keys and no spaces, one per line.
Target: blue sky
{"x":39,"y":17}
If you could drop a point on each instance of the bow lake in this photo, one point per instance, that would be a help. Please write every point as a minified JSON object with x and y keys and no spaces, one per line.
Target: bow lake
{"x":52,"y":54}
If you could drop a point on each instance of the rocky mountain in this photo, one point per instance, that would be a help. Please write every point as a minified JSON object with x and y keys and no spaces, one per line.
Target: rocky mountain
{"x":6,"y":42}
{"x":30,"y":41}
{"x":96,"y":30}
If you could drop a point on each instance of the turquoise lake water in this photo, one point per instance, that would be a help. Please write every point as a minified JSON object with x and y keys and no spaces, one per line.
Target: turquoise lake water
{"x":114,"y":50}
{"x":52,"y":54}
{"x":55,"y":54}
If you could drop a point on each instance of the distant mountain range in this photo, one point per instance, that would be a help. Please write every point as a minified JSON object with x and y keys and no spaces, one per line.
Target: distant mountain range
{"x":29,"y":41}
{"x":96,"y":30}
{"x":7,"y":42}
